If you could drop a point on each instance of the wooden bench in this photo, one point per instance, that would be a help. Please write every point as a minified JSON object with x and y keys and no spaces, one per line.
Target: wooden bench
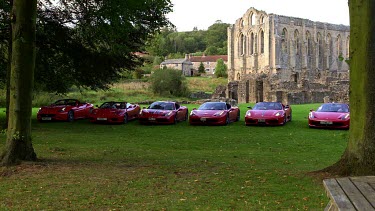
{"x":351,"y":193}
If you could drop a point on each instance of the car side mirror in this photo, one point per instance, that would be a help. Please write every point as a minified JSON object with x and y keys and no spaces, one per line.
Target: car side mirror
{"x":97,"y":106}
{"x":287,"y":106}
{"x":249,"y":107}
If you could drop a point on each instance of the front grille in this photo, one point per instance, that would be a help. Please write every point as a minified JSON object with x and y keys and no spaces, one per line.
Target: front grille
{"x":47,"y":115}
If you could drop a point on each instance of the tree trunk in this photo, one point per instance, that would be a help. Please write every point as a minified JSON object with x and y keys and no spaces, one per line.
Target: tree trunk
{"x":359,"y":157}
{"x":19,"y":145}
{"x":9,"y":68}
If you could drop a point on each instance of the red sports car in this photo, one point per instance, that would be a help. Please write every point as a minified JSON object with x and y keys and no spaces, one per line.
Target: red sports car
{"x":115,"y":112}
{"x":163,"y":112}
{"x":330,"y":115}
{"x":214,"y":113}
{"x":65,"y":110}
{"x":268,"y":113}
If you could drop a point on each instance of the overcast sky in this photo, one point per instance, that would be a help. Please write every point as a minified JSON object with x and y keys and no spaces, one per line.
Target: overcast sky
{"x":203,"y":13}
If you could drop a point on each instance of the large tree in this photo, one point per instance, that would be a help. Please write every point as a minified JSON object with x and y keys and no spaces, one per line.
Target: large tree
{"x":359,"y":157}
{"x":84,"y":43}
{"x":19,"y":145}
{"x":89,"y":43}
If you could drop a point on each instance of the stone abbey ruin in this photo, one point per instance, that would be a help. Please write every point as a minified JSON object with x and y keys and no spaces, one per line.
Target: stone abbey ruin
{"x":286,"y":59}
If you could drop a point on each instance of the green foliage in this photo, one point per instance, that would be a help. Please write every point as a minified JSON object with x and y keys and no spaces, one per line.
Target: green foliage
{"x":221,"y":69}
{"x":217,"y":35}
{"x":88,"y":43}
{"x":201,"y":68}
{"x":212,"y":41}
{"x":168,"y":82}
{"x":157,"y":60}
{"x":138,"y":73}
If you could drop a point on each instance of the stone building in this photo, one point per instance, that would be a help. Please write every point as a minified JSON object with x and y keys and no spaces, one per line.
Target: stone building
{"x":291,"y":60}
{"x":184,"y":65}
{"x":209,"y":62}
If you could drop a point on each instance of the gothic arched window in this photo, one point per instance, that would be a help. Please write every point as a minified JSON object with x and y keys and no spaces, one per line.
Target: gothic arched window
{"x":261,"y":41}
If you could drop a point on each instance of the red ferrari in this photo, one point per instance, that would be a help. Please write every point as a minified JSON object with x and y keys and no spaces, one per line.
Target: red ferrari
{"x":330,"y":115}
{"x":268,"y":113}
{"x":115,"y":112}
{"x":163,"y":112}
{"x":214,"y":113}
{"x":65,"y":110}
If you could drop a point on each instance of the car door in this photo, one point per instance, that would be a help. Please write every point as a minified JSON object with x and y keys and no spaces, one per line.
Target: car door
{"x":131,"y":111}
{"x":179,"y":112}
{"x":232,"y":112}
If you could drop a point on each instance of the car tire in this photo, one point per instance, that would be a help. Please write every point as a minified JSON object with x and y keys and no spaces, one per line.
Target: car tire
{"x":70,"y":116}
{"x":290,"y":117}
{"x":285,"y":119}
{"x":238,"y":116}
{"x":126,"y":119}
{"x":227,"y":120}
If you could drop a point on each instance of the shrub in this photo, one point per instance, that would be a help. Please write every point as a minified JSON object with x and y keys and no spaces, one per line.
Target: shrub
{"x":201,"y":68}
{"x":221,"y":69}
{"x":166,"y":82}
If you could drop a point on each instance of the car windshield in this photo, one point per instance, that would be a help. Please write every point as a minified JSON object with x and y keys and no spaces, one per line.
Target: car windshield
{"x":65,"y":102}
{"x":162,"y":106}
{"x":268,"y":106}
{"x":213,"y":106}
{"x":116,"y":105}
{"x":333,"y":107}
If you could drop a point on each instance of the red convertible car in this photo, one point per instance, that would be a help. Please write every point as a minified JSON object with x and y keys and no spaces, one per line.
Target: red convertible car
{"x":65,"y":110}
{"x":268,"y":113}
{"x":330,"y":115}
{"x":214,"y":113}
{"x":163,"y":112}
{"x":115,"y":112}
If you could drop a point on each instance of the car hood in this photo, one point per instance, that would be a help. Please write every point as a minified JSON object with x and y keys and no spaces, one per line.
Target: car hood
{"x":106,"y":111}
{"x":206,"y":113}
{"x":155,"y":112}
{"x":53,"y":108}
{"x":328,"y":115}
{"x":264,"y":113}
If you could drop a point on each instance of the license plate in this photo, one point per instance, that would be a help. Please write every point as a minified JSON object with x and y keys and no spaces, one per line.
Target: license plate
{"x":101,"y":119}
{"x":203,"y":119}
{"x":261,"y":120}
{"x":46,"y":118}
{"x":326,"y":123}
{"x":151,"y":119}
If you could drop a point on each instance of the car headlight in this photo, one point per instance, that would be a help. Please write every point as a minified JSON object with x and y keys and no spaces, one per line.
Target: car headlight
{"x":168,"y":114}
{"x":278,"y":114}
{"x":219,"y":113}
{"x":248,"y":113}
{"x":345,"y":117}
{"x":63,"y":109}
{"x":311,"y":115}
{"x":140,"y":112}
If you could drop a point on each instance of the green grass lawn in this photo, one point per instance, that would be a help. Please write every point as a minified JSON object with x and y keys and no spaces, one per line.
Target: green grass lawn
{"x":88,"y":166}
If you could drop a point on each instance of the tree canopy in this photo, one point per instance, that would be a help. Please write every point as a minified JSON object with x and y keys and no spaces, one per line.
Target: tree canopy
{"x":169,"y":42}
{"x":88,"y":43}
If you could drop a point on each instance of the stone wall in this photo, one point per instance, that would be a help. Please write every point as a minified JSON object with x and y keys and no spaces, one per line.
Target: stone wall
{"x":293,"y":60}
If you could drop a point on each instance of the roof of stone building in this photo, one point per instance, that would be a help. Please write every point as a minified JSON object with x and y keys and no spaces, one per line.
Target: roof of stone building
{"x":176,"y":61}
{"x":212,"y":58}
